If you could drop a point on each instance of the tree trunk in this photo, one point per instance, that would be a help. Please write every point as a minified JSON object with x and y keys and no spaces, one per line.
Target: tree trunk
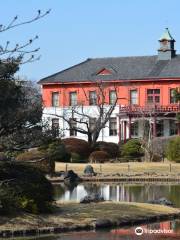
{"x":90,"y":138}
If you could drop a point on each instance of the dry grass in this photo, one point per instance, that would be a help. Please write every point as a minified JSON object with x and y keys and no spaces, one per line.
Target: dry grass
{"x":112,"y":168}
{"x":73,"y":214}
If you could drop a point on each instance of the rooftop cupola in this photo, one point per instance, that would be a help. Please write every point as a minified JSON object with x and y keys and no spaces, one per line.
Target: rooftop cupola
{"x":166,"y":50}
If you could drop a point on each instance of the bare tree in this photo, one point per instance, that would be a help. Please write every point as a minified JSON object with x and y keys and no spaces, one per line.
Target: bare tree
{"x":90,"y":121}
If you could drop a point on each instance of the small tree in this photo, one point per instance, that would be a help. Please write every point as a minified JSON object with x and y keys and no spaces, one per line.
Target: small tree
{"x":173,"y":150}
{"x":132,"y":148}
{"x":57,"y":152}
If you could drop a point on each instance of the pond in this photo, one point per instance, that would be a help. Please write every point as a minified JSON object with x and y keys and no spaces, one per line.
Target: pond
{"x":122,"y":192}
{"x":164,"y":230}
{"x":119,"y":192}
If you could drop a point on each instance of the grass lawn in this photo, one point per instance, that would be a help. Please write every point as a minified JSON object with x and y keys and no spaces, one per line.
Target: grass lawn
{"x":112,"y":168}
{"x":74,"y":214}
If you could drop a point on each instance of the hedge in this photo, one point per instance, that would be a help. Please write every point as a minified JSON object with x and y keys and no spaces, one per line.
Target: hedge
{"x":79,"y":146}
{"x":132,"y":148}
{"x":99,"y":157}
{"x":111,"y":148}
{"x":37,"y":159}
{"x":173,"y":150}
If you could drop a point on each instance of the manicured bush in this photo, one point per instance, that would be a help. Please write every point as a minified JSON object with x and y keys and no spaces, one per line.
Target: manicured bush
{"x":30,"y":155}
{"x":156,"y":158}
{"x":37,"y":159}
{"x":76,"y":158}
{"x":24,"y":187}
{"x":132,"y":148}
{"x":58,"y":152}
{"x":173,"y":150}
{"x":79,"y":146}
{"x":99,"y":157}
{"x":111,"y":148}
{"x":44,"y":157}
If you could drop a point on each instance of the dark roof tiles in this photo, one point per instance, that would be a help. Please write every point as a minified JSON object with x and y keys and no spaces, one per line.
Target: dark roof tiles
{"x":124,"y":68}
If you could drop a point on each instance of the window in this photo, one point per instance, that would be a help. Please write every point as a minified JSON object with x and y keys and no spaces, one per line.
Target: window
{"x":133,"y":96}
{"x":173,"y":128}
{"x":92,"y":98}
{"x":113,"y":126}
{"x":160,"y":128}
{"x":172,"y":98}
{"x":134,"y":129}
{"x":55,"y":99}
{"x":153,"y":96}
{"x":104,"y":71}
{"x":73,"y":98}
{"x":55,"y":126}
{"x":92,"y":122}
{"x":112,"y":97}
{"x":73,"y":126}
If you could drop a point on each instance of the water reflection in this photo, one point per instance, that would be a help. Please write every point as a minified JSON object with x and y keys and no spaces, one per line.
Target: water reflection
{"x":172,"y":229}
{"x":161,"y":230}
{"x":119,"y":192}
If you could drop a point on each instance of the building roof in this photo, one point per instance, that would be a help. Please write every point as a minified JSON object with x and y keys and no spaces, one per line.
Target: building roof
{"x":166,"y":36}
{"x":121,"y":68}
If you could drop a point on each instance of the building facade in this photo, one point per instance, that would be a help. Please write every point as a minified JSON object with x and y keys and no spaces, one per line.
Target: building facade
{"x":144,"y":87}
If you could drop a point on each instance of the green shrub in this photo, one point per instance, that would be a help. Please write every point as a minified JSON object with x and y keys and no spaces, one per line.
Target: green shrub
{"x":76,"y":158}
{"x":24,"y":187}
{"x":47,"y":142}
{"x":57,"y":152}
{"x":99,"y":157}
{"x":173,"y":150}
{"x":132,"y":148}
{"x":111,"y":148}
{"x":79,"y":146}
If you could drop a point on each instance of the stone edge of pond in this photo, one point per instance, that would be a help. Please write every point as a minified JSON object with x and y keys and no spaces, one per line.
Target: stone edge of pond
{"x":98,"y":224}
{"x":124,"y":179}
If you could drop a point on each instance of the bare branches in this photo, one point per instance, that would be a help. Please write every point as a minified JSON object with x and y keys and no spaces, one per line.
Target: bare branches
{"x":82,"y":115}
{"x":20,"y":49}
{"x":17,"y":52}
{"x":14,"y":24}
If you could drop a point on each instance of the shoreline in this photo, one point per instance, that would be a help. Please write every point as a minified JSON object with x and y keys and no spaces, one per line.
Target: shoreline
{"x":123,"y":179}
{"x":123,"y":172}
{"x":85,"y":218}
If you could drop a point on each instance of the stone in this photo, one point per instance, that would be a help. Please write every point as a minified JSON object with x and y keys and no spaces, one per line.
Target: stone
{"x":103,"y":223}
{"x":161,"y":201}
{"x":71,"y":177}
{"x":89,"y":171}
{"x":92,"y":198}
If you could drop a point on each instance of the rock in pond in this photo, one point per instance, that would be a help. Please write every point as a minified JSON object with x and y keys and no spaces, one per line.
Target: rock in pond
{"x":92,"y":198}
{"x":89,"y":171}
{"x":161,"y":201}
{"x":71,"y":177}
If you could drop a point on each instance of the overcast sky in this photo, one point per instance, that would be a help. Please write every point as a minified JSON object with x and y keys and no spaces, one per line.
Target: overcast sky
{"x":80,"y":29}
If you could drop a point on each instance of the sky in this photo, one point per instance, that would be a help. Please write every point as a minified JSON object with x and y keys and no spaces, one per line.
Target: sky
{"x":77,"y":29}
